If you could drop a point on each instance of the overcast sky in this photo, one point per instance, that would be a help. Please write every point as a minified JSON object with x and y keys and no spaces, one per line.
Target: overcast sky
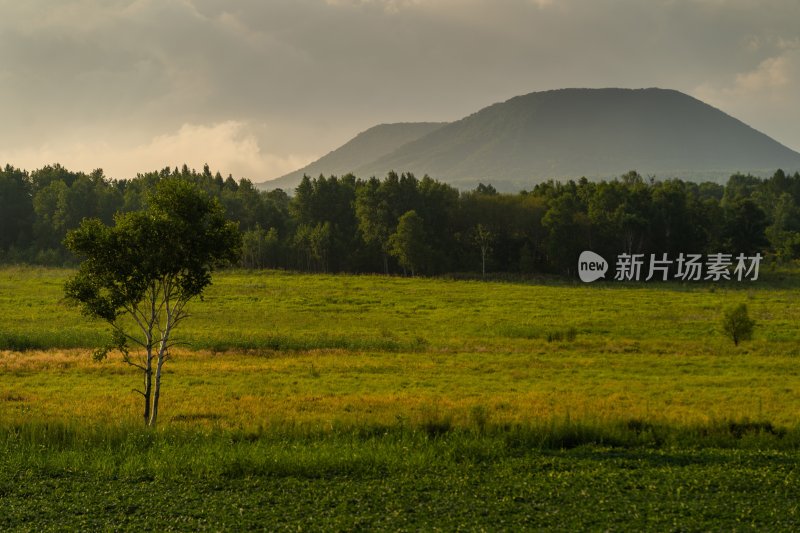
{"x":258,"y":88}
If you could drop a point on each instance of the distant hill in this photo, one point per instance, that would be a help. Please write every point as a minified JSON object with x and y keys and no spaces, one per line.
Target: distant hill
{"x":568,"y":133}
{"x":368,"y":145}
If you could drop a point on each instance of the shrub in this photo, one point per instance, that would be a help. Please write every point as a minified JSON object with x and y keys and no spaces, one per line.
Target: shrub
{"x":559,"y":335}
{"x":737,"y":324}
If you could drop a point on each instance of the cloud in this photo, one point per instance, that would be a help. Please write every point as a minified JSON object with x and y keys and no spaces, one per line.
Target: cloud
{"x":226,"y":146}
{"x":766,"y":97}
{"x":389,"y":6}
{"x":774,"y":78}
{"x":772,"y":74}
{"x":260,"y":82}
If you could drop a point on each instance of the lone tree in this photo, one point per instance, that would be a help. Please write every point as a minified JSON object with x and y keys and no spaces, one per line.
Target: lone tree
{"x":737,"y":325}
{"x":139,"y":274}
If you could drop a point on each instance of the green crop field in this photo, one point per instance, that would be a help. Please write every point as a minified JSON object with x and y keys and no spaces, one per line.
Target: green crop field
{"x":323,"y":402}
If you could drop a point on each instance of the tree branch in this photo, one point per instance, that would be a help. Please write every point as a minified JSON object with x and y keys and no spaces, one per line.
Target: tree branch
{"x":126,"y":335}
{"x":154,"y":313}
{"x":131,"y":363}
{"x":135,"y":312}
{"x":155,"y":291}
{"x":177,"y":343}
{"x":179,"y":317}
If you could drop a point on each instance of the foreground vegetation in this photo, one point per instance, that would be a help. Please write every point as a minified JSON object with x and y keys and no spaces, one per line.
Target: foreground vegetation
{"x":56,"y":478}
{"x":341,"y":402}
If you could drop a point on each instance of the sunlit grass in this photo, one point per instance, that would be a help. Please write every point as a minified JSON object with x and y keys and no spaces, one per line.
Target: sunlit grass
{"x":274,"y":349}
{"x":352,"y":402}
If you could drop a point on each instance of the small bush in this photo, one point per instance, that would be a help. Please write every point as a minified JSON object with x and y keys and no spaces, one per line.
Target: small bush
{"x":737,"y":324}
{"x":559,"y":335}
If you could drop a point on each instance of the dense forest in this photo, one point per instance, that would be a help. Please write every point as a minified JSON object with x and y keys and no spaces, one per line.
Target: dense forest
{"x":402,"y":224}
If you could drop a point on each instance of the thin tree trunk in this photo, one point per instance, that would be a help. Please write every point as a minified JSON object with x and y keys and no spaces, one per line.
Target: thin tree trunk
{"x":157,"y":391}
{"x":148,"y":385}
{"x":162,"y":357}
{"x":148,"y":367}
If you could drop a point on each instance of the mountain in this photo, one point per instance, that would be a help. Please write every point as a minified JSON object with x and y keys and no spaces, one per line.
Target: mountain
{"x":597,"y":133}
{"x":368,"y":145}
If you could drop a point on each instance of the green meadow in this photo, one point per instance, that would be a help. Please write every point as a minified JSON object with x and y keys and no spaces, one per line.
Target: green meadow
{"x":327,"y":402}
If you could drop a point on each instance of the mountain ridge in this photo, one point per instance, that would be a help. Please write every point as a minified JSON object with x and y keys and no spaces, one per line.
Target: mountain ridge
{"x":377,"y":140}
{"x":569,"y":133}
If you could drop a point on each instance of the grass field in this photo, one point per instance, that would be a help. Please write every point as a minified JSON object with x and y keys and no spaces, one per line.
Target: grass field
{"x":346,"y":402}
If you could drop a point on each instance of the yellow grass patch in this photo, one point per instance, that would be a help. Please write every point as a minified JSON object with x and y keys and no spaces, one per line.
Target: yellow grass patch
{"x":326,"y":389}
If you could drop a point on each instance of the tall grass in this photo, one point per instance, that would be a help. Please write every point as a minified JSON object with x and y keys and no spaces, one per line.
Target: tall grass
{"x":133,"y":452}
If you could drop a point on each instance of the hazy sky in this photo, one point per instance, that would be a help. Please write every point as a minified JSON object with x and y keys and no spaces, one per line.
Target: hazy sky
{"x":258,"y":88}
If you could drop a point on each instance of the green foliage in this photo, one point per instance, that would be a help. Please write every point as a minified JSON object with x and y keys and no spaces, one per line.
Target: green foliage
{"x":260,"y":248}
{"x":394,"y":478}
{"x":325,"y":220}
{"x":344,"y":224}
{"x":147,"y":267}
{"x":375,"y":220}
{"x":784,"y":233}
{"x":315,"y":242}
{"x":407,"y":243}
{"x":179,"y":239}
{"x":737,"y":324}
{"x":16,"y":209}
{"x":745,"y":225}
{"x":567,"y":226}
{"x":380,"y":205}
{"x":119,"y":342}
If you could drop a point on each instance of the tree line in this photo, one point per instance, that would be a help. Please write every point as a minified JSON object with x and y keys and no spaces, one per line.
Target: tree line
{"x":403,"y":224}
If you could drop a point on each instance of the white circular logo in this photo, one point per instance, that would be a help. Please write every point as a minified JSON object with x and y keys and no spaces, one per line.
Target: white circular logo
{"x":591,"y":267}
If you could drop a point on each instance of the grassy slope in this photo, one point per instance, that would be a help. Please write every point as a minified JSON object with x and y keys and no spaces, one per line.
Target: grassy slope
{"x":327,"y":350}
{"x":339,"y":402}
